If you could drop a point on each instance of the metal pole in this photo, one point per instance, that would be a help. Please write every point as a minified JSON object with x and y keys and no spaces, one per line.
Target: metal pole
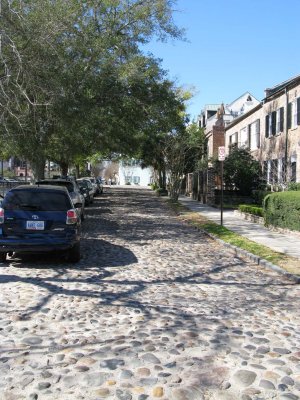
{"x":222,"y":193}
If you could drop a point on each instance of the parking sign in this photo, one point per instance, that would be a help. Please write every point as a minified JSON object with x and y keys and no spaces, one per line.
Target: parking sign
{"x":221,"y":153}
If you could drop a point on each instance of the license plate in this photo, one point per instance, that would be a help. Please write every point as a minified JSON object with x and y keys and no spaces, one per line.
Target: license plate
{"x":35,"y":225}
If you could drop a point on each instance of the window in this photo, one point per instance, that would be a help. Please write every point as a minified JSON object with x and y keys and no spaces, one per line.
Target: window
{"x":136,"y":180}
{"x":293,"y":171}
{"x":244,"y":137}
{"x":36,"y":200}
{"x":233,"y":140}
{"x":128,"y":179}
{"x":294,"y":114}
{"x":254,"y":135}
{"x":270,"y":127}
{"x":280,"y":120}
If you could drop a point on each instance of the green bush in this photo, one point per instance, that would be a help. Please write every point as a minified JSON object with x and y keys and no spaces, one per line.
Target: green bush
{"x":293,"y":186}
{"x":282,"y":209}
{"x":255,"y":210}
{"x":154,"y":185}
{"x":259,"y":195}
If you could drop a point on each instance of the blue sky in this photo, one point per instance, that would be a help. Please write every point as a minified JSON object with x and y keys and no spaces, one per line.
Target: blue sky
{"x":233,"y":47}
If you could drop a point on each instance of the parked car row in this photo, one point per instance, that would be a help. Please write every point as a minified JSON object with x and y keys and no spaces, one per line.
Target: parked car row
{"x":45,"y":217}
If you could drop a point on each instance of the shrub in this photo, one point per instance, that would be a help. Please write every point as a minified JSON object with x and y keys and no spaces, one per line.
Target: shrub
{"x":293,"y":186}
{"x":259,"y":195}
{"x":282,"y":209}
{"x":255,"y":210}
{"x":154,"y":186}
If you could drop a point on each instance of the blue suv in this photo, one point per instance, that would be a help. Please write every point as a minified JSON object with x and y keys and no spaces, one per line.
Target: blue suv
{"x":36,"y":219}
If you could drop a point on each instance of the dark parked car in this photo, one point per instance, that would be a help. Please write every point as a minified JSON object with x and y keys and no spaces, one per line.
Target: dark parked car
{"x":73,"y":190}
{"x":87,"y":189}
{"x":38,"y":219}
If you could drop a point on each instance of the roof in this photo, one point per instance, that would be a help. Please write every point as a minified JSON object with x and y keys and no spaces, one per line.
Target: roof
{"x":279,"y":87}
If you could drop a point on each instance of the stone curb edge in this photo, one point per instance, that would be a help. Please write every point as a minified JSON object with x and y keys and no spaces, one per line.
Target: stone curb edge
{"x":258,"y":260}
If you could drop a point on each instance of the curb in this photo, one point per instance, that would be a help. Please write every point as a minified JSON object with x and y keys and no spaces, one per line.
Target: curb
{"x":258,"y":260}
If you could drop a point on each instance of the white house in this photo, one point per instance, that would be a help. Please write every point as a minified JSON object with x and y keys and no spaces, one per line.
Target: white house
{"x":131,"y":172}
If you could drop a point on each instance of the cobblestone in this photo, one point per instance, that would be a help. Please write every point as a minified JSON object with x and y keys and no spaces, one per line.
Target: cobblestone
{"x":154,"y":310}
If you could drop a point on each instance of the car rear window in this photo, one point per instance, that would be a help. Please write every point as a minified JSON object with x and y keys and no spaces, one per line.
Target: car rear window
{"x":68,"y":185}
{"x":36,"y":201}
{"x":82,"y":184}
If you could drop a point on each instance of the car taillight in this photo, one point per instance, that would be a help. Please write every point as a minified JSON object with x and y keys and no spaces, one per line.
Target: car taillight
{"x":1,"y":216}
{"x":71,"y":217}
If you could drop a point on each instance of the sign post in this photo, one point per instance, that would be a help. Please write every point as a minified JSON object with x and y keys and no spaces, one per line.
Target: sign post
{"x":221,"y":158}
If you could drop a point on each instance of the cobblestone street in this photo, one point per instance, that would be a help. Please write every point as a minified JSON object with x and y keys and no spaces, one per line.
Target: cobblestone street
{"x":154,"y":310}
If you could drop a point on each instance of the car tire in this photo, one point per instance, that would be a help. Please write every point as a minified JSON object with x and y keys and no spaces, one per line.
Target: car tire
{"x":2,"y":257}
{"x":74,"y":253}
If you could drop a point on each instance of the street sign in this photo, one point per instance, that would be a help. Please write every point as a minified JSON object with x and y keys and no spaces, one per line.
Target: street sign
{"x":221,"y":153}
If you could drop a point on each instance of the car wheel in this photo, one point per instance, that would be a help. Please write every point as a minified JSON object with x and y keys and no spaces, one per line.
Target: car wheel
{"x":74,"y":253}
{"x":2,"y":257}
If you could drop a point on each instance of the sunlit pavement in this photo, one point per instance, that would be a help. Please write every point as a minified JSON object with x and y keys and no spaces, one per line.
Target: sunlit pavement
{"x":154,"y":309}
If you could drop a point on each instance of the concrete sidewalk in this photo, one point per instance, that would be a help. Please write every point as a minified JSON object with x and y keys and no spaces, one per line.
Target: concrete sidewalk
{"x":282,"y":242}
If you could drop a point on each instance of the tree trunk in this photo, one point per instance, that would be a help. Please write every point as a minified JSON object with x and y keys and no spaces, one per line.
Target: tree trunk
{"x":64,"y":166}
{"x":38,"y":168}
{"x":77,"y":167}
{"x":175,"y":184}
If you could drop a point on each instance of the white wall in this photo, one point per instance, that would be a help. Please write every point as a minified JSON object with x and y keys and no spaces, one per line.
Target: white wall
{"x":135,"y":174}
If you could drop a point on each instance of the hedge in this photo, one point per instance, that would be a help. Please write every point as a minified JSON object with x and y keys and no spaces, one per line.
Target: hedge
{"x":282,"y":209}
{"x":255,"y":210}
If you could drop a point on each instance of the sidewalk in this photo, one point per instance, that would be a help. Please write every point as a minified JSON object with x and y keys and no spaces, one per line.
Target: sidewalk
{"x":284,"y":243}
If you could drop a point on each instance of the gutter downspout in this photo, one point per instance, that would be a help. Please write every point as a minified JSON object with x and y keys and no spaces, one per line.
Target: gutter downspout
{"x":286,"y":138}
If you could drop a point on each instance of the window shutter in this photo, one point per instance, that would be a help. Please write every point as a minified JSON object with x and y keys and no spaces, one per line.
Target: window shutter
{"x":298,"y":111}
{"x":281,"y":113}
{"x":289,"y":116}
{"x":258,"y":133}
{"x":257,"y":126}
{"x":267,"y":126}
{"x":249,"y":137}
{"x":273,"y":127}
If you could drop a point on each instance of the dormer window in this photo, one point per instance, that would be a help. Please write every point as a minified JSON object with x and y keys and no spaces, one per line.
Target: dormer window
{"x":249,"y":98}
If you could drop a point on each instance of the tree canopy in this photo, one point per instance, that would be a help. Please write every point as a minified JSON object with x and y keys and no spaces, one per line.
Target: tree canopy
{"x":241,"y":171}
{"x":73,"y":79}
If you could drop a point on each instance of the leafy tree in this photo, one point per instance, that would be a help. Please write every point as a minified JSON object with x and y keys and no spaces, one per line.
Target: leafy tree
{"x":182,"y":150}
{"x":241,"y":171}
{"x":74,"y":77}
